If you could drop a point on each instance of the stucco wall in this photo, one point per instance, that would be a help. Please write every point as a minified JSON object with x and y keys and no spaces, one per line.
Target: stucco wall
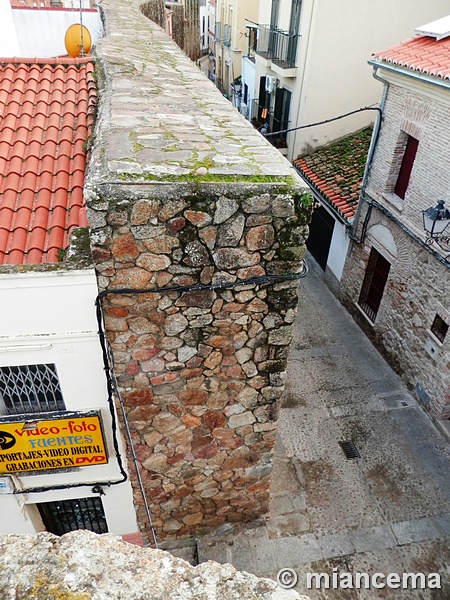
{"x":336,"y":41}
{"x":49,"y":318}
{"x":49,"y":27}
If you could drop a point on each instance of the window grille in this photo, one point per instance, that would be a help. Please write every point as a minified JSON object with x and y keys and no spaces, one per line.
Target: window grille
{"x":439,"y":328}
{"x":69,"y":515}
{"x":373,"y":285}
{"x":30,"y":389}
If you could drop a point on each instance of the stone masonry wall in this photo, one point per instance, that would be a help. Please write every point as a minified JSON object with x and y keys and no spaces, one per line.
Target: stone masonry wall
{"x":183,"y":191}
{"x":200,"y":371}
{"x":416,"y":291}
{"x":418,"y":285}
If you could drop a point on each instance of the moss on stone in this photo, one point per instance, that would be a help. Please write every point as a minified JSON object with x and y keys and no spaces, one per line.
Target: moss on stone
{"x":44,"y":589}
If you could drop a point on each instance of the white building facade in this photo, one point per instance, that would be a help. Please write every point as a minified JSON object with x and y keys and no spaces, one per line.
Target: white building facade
{"x":51,"y":364}
{"x":309,"y":63}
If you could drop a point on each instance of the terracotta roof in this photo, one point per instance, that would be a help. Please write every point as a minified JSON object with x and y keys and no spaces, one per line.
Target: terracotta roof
{"x":422,"y":54}
{"x":335,"y":172}
{"x":46,"y":114}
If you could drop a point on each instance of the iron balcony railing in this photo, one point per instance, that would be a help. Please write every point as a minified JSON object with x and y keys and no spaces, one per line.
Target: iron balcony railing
{"x":261,"y":116}
{"x":227,"y":35}
{"x":218,"y":32}
{"x":222,"y":33}
{"x":278,"y":46}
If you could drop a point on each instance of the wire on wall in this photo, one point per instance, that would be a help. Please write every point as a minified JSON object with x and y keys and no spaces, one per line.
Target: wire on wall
{"x":108,"y":359}
{"x":113,"y":388}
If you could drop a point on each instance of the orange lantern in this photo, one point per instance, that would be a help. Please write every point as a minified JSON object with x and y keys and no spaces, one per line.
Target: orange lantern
{"x":77,"y":37}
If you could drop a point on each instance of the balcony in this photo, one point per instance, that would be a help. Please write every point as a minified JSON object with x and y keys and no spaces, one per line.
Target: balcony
{"x":222,"y":34}
{"x":278,"y":46}
{"x":227,"y":35}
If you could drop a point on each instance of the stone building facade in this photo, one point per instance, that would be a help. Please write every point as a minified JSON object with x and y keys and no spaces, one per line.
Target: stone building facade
{"x":411,"y":319}
{"x":184,"y":196}
{"x":180,"y":20}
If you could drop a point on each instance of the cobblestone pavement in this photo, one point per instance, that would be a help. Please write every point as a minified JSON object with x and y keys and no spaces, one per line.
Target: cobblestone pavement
{"x":387,"y":511}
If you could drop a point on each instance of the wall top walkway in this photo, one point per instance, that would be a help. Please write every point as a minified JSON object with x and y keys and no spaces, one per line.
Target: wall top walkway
{"x":161,"y":119}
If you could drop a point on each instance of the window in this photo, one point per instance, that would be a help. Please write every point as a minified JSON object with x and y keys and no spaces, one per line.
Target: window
{"x":69,"y":515}
{"x":439,"y":328}
{"x":373,"y":285}
{"x":30,"y":389}
{"x":406,"y":167}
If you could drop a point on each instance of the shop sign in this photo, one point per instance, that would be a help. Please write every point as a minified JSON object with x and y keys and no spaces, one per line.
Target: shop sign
{"x":53,"y":442}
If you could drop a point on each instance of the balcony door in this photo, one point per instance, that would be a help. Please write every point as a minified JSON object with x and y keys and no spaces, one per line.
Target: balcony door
{"x":294,"y":31}
{"x":271,"y":51}
{"x":281,"y":112}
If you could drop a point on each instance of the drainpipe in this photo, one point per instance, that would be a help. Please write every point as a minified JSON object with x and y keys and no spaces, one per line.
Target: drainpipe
{"x":373,"y":144}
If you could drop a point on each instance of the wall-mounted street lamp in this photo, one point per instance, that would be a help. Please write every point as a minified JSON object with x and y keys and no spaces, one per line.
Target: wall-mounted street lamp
{"x":436,"y":222}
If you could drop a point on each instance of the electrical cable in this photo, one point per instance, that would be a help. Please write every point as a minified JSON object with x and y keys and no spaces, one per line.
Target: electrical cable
{"x":353,"y":112}
{"x":108,"y":359}
{"x":133,"y":454}
{"x":261,"y":280}
{"x":112,"y":384}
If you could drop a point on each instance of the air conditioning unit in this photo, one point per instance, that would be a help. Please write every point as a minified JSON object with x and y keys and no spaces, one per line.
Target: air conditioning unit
{"x":271,"y":84}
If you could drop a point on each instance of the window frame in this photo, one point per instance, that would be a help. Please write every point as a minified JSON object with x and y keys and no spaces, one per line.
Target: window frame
{"x":439,"y":332}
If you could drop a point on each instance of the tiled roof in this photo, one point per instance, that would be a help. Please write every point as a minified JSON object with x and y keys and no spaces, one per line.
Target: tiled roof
{"x":422,"y":54}
{"x":46,"y":113}
{"x":335,"y":172}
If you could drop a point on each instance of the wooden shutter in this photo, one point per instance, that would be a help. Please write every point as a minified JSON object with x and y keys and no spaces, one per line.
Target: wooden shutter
{"x":406,"y":167}
{"x":373,"y":285}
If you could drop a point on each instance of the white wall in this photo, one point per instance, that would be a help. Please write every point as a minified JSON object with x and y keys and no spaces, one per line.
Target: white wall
{"x":9,"y":44}
{"x":337,"y":38}
{"x":204,"y":31}
{"x":336,"y":76}
{"x":50,"y":318}
{"x":41,"y":32}
{"x":338,"y":250}
{"x":248,"y":77}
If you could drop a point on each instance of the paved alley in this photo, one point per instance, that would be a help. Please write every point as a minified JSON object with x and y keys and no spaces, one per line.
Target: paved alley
{"x":387,"y":511}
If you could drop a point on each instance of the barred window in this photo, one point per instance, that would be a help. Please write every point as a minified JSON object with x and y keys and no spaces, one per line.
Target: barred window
{"x":30,"y":389}
{"x":69,"y":515}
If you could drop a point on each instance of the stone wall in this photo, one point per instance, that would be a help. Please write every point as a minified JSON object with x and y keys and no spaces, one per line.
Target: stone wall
{"x":418,"y":286}
{"x":182,"y":191}
{"x":416,"y":291}
{"x":200,"y":371}
{"x":185,"y":19}
{"x":82,"y":566}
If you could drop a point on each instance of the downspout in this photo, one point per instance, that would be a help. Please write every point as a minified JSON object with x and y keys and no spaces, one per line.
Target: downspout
{"x":373,"y":143}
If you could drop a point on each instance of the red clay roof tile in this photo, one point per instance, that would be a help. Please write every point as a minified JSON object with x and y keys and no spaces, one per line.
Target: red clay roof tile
{"x":422,"y":54}
{"x":43,"y":116}
{"x":335,"y":171}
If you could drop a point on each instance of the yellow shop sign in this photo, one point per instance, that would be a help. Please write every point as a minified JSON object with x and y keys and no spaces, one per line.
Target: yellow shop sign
{"x":51,"y":443}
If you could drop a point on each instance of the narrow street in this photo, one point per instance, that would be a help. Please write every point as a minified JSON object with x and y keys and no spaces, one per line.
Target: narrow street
{"x":387,"y":511}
